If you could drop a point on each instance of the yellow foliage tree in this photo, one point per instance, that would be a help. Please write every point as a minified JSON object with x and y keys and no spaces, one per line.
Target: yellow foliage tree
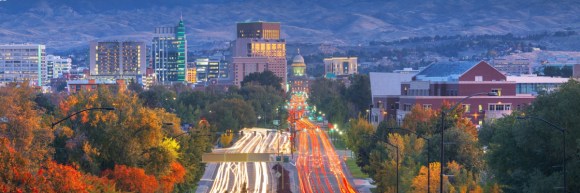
{"x":226,"y":139}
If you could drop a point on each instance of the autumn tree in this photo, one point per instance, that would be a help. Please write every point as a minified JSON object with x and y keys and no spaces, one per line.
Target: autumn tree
{"x":132,"y":179}
{"x":132,"y":135}
{"x":24,"y":123}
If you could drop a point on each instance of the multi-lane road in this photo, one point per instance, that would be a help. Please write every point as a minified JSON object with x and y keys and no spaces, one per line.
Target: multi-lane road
{"x":320,"y":167}
{"x":257,"y":176}
{"x":317,"y":168}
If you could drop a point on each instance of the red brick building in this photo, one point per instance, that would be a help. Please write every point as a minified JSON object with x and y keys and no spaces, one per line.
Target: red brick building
{"x":453,"y":81}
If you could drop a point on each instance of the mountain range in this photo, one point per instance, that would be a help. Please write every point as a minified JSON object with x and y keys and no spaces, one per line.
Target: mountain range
{"x":64,"y":24}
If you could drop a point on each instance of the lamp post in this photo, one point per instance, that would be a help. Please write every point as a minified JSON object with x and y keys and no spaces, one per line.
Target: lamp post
{"x":428,"y":147}
{"x":76,"y":113}
{"x":443,"y":113}
{"x":563,"y":144}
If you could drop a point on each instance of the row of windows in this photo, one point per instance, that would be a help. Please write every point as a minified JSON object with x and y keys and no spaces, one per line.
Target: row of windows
{"x":467,"y":107}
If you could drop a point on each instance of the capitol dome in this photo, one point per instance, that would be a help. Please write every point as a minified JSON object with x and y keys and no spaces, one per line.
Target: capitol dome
{"x":298,"y":60}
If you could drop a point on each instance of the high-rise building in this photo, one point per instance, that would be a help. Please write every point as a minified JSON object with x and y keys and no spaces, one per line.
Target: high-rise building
{"x":259,"y":30}
{"x":256,"y":42}
{"x":340,"y":66}
{"x":169,"y":53}
{"x":56,"y":66}
{"x":118,"y":59}
{"x":21,"y":62}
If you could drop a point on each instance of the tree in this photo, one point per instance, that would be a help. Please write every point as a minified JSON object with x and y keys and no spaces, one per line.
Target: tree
{"x":359,"y":92}
{"x":522,"y":154}
{"x":266,"y":78}
{"x":420,"y":120}
{"x":231,"y":114}
{"x":193,"y":145}
{"x":265,"y":100}
{"x":132,"y":135}
{"x":132,"y":179}
{"x":24,"y":123}
{"x":357,"y":133}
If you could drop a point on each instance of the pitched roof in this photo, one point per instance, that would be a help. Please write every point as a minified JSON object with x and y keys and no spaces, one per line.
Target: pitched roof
{"x":445,"y":71}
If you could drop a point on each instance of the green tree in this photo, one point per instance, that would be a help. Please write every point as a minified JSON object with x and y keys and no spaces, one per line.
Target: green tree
{"x":266,"y":78}
{"x":232,"y":114}
{"x":359,"y":92}
{"x":522,"y":153}
{"x":265,"y":100}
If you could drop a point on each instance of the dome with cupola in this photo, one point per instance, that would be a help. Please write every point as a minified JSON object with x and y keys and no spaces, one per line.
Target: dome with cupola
{"x":298,"y":65}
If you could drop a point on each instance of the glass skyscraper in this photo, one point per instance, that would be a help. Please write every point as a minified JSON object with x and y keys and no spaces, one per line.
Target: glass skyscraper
{"x":169,"y":53}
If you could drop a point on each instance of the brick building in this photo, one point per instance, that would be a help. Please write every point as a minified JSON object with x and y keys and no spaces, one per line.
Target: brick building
{"x":453,"y":81}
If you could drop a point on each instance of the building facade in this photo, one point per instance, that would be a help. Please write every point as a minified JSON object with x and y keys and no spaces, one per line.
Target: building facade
{"x":453,"y":81}
{"x":256,"y":41}
{"x":340,"y":66}
{"x":298,"y":80}
{"x":56,"y":66}
{"x":244,"y":66}
{"x":169,"y":53}
{"x":23,"y":62}
{"x":385,"y":93}
{"x":93,"y":84}
{"x":534,"y":85}
{"x":117,"y":59}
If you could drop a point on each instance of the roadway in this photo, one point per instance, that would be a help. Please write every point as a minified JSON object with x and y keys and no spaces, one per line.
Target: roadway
{"x":320,"y":169}
{"x":258,"y":177}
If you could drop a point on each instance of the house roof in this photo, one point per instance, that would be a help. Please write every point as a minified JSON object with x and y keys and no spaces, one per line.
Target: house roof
{"x":445,"y":71}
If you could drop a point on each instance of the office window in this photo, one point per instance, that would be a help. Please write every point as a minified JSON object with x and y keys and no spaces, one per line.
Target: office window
{"x":467,"y":107}
{"x":427,"y":106}
{"x":479,"y":78}
{"x":492,"y":107}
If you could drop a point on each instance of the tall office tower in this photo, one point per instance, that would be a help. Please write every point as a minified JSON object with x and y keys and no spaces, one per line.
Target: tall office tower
{"x":169,"y":53}
{"x":21,"y":62}
{"x":56,"y":66}
{"x":258,"y":42}
{"x":118,"y":59}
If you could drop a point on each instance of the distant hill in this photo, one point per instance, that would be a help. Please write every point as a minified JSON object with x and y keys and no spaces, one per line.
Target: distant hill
{"x":63,"y":24}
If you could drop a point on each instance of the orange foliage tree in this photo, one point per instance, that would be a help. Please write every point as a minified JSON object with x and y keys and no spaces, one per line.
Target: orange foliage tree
{"x":177,"y":174}
{"x":132,"y":179}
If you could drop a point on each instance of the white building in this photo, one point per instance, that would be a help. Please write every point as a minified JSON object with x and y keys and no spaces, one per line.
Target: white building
{"x":56,"y":66}
{"x":21,"y":62}
{"x":340,"y":66}
{"x":385,"y":92}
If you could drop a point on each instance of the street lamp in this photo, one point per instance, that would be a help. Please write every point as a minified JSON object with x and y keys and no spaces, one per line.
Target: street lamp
{"x":428,"y":147}
{"x":563,"y":143}
{"x":443,"y":113}
{"x":76,"y":113}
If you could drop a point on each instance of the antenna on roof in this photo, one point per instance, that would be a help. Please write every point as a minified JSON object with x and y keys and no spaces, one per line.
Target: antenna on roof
{"x":298,"y":51}
{"x":181,"y":17}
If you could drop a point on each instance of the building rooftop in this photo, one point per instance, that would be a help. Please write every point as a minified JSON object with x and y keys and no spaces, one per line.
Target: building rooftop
{"x":537,"y":79}
{"x":383,"y":84}
{"x":445,"y":71}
